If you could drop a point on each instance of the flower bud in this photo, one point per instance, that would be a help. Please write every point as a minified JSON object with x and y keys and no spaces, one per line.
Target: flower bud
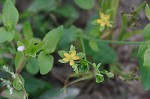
{"x":21,"y":48}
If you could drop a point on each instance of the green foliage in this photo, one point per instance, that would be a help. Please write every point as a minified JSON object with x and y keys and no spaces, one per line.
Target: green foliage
{"x":45,"y":63}
{"x":85,"y":4}
{"x":19,"y":60}
{"x":69,"y":36}
{"x":32,"y":66}
{"x":33,"y":49}
{"x":146,"y":58}
{"x":105,"y":54}
{"x":40,"y":5}
{"x":6,"y":35}
{"x":55,"y":93}
{"x":52,"y":38}
{"x":100,"y":74}
{"x":147,"y":11}
{"x":17,"y":83}
{"x":10,"y":15}
{"x":29,"y":48}
{"x":15,"y":95}
{"x":36,"y":87}
{"x":99,"y":78}
{"x":61,"y":53}
{"x":143,"y":55}
{"x":27,"y":30}
{"x":144,"y":65}
{"x":39,"y":46}
{"x":144,"y":69}
{"x":147,"y":32}
{"x":68,"y":11}
{"x":93,"y":45}
{"x":81,"y":55}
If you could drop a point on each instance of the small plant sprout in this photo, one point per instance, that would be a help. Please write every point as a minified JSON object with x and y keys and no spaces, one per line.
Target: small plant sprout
{"x":99,"y":75}
{"x":21,"y":48}
{"x":80,"y":64}
{"x":104,"y":20}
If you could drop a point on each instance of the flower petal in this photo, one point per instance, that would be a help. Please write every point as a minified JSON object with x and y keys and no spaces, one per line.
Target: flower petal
{"x":73,"y":53}
{"x":99,"y":21}
{"x":108,"y":23}
{"x":76,"y":58}
{"x":21,"y":48}
{"x":107,"y":17}
{"x":71,"y":62}
{"x":102,"y":24}
{"x":67,"y":55}
{"x":102,"y":15}
{"x":66,"y":59}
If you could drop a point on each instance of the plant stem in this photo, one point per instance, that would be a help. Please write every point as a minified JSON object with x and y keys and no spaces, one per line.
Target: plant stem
{"x":83,"y":48}
{"x":110,"y":41}
{"x":21,"y":66}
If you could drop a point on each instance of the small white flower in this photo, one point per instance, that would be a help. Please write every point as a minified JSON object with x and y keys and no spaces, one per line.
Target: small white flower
{"x":21,"y":48}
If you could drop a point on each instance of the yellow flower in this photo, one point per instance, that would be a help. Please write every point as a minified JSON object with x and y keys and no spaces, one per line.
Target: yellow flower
{"x":104,"y":20}
{"x":70,"y":57}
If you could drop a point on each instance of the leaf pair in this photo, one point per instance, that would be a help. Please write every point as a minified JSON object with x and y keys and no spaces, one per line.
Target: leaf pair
{"x":42,"y":62}
{"x":10,"y":17}
{"x":144,"y":56}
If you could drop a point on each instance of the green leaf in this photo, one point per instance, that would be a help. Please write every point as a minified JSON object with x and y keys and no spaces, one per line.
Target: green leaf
{"x":19,"y":60}
{"x":35,"y":86}
{"x":61,"y":53}
{"x":39,"y":46}
{"x":67,"y":11}
{"x":29,"y":49}
{"x":17,"y":83}
{"x":144,"y":70}
{"x":99,"y":78}
{"x":147,"y":58}
{"x":94,"y":22}
{"x":6,"y":35}
{"x":25,"y":41}
{"x":19,"y":43}
{"x":70,"y":35}
{"x":27,"y":30}
{"x":147,"y":32}
{"x":85,"y":4}
{"x":110,"y":74}
{"x":147,"y":11}
{"x":32,"y":66}
{"x":16,"y":94}
{"x":105,"y":55}
{"x":62,"y":61}
{"x":55,"y":93}
{"x":75,"y":68}
{"x":42,"y":5}
{"x":93,"y":45}
{"x":52,"y":38}
{"x":96,"y":66}
{"x":10,"y":15}
{"x":81,"y":55}
{"x":94,"y":31}
{"x":45,"y":63}
{"x":72,"y":48}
